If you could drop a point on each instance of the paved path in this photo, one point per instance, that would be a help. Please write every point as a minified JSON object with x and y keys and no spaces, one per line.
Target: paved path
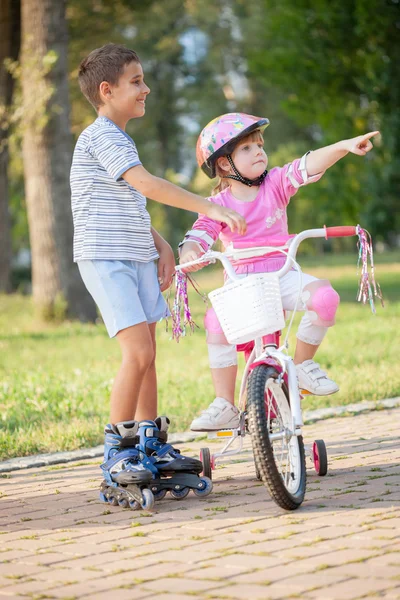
{"x":59,"y":542}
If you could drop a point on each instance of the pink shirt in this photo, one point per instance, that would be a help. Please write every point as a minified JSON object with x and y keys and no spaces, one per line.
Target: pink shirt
{"x":265,"y":216}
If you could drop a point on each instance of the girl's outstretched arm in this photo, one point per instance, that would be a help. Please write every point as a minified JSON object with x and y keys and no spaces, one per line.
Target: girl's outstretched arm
{"x":320,"y":160}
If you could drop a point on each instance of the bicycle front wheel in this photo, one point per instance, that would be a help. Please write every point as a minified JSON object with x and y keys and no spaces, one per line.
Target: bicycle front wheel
{"x":279,"y":457}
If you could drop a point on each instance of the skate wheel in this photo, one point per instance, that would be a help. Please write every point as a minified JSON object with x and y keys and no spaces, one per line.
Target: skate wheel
{"x":159,"y":495}
{"x":207,"y":461}
{"x":102,"y":497}
{"x":123,"y":502}
{"x":320,"y":457}
{"x":148,"y":499}
{"x":180,"y":494}
{"x":112,"y":500}
{"x":134,"y":505}
{"x":205,"y":489}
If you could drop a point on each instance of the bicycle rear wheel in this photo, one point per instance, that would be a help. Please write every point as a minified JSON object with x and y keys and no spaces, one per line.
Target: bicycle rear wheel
{"x":281,"y":461}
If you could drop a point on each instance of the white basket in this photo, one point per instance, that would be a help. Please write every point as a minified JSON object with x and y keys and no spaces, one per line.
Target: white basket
{"x":249,"y":308}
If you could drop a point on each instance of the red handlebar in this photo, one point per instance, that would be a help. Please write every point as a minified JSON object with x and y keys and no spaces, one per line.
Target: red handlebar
{"x":341,"y":231}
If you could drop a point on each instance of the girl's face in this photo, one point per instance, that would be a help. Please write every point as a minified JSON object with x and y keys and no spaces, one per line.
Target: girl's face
{"x":250,"y":158}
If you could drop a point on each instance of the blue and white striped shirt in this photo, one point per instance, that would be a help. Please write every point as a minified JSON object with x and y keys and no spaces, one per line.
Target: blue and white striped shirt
{"x":110,"y":216}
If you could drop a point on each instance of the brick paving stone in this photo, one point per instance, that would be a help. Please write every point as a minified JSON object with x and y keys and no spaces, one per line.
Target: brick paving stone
{"x":174,"y":585}
{"x":352,"y":589}
{"x":4,"y":594}
{"x":124,"y":594}
{"x":102,"y":560}
{"x":16,"y":569}
{"x":71,"y":574}
{"x":253,"y":591}
{"x":29,"y":587}
{"x":342,"y":543}
{"x":254,"y":561}
{"x":166,"y":569}
{"x":102,"y":584}
{"x":374,"y":570}
{"x":176,"y":596}
{"x":221,"y":573}
{"x":391,"y":594}
{"x":339,"y":557}
{"x":309,"y":582}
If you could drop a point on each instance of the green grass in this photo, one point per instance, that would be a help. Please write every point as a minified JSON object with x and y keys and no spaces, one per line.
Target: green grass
{"x":55,"y":381}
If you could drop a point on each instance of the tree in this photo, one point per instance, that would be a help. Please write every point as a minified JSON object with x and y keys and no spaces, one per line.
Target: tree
{"x":187,"y":51}
{"x":337,"y":69}
{"x":47,"y":157}
{"x":9,"y":49}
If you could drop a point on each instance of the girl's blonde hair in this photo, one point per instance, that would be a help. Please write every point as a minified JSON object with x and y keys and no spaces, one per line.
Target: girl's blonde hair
{"x":222,"y":182}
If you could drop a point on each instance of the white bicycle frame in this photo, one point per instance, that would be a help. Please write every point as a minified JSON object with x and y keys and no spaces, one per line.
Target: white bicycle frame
{"x":259,"y":353}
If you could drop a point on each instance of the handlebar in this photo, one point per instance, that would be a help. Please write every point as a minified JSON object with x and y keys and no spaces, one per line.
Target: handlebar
{"x":341,"y":231}
{"x":290,"y":249}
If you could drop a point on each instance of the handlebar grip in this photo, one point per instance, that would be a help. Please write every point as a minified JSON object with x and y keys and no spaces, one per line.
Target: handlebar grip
{"x":341,"y":231}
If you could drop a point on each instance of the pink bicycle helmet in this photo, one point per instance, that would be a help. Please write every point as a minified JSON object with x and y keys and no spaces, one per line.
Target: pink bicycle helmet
{"x":221,"y":135}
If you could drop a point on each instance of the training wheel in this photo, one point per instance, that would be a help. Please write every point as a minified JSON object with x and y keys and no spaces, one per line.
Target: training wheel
{"x":320,"y":457}
{"x":208,"y":462}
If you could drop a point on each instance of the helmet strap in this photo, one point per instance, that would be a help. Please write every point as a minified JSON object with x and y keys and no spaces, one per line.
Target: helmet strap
{"x":238,"y":177}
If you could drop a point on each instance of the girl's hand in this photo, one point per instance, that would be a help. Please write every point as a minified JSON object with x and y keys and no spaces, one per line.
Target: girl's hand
{"x":234,"y":221}
{"x":166,"y":266}
{"x":362,"y":144}
{"x":191,"y":251}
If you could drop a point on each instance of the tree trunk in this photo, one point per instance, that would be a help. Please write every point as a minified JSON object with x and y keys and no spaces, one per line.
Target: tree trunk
{"x":56,"y":282}
{"x":9,"y":48}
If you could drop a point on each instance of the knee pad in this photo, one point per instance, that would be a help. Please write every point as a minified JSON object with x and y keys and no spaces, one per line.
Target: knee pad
{"x":222,"y":355}
{"x":321,"y":301}
{"x":214,"y":333}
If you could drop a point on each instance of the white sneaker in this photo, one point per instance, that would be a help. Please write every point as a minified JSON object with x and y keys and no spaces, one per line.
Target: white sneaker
{"x":221,"y":414}
{"x":314,"y":380}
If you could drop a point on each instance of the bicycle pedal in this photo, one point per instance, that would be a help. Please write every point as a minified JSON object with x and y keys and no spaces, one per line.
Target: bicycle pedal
{"x":222,"y":433}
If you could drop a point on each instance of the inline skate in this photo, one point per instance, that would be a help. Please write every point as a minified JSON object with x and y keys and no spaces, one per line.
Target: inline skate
{"x":126,"y":480}
{"x":171,"y":471}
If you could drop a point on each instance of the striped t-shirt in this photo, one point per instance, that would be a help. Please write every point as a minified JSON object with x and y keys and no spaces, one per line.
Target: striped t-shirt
{"x":110,"y":216}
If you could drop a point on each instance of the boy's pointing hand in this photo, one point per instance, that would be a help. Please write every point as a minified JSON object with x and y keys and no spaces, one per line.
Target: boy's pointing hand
{"x":235,"y":222}
{"x":362,"y":144}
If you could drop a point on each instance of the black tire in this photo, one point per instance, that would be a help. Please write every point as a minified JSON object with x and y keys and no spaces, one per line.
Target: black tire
{"x":286,"y":486}
{"x":205,"y":458}
{"x":320,"y":457}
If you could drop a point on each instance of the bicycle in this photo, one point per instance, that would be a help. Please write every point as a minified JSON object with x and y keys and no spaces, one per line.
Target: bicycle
{"x":251,"y":315}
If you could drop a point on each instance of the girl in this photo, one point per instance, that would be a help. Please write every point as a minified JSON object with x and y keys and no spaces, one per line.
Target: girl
{"x":232,"y":148}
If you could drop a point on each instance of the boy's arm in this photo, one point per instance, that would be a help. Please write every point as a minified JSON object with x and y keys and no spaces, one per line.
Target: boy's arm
{"x":166,"y":262}
{"x":320,"y":160}
{"x":163,"y":191}
{"x":159,"y":241}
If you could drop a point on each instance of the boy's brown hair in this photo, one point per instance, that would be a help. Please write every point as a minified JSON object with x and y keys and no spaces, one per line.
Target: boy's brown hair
{"x":222,"y":183}
{"x":103,"y":64}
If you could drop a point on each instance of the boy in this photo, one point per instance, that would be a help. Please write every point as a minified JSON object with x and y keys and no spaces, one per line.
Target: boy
{"x":116,"y":247}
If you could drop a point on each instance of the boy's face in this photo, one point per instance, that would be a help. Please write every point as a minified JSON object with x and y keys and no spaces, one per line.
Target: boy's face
{"x":128,"y":97}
